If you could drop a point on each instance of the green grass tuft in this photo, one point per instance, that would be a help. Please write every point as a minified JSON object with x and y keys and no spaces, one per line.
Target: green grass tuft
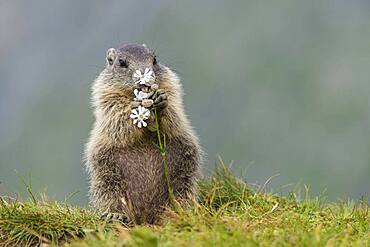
{"x":50,"y":222}
{"x":227,"y":213}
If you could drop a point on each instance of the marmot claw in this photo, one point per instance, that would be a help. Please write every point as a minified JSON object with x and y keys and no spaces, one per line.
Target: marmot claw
{"x":114,"y":217}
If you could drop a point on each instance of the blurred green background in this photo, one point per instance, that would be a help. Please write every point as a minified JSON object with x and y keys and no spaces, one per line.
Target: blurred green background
{"x":279,"y":87}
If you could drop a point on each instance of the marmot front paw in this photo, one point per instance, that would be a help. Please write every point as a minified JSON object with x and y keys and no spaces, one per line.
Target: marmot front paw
{"x":160,"y":99}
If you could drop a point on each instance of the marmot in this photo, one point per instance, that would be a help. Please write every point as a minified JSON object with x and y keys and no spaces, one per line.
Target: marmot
{"x":125,"y":167}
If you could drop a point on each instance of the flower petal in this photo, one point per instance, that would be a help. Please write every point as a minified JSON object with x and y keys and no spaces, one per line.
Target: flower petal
{"x":138,"y":74}
{"x":146,"y":114}
{"x":139,"y":124}
{"x":144,"y":123}
{"x":143,"y":110}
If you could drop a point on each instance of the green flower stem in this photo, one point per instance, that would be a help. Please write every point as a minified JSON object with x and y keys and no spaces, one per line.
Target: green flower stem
{"x":162,"y":150}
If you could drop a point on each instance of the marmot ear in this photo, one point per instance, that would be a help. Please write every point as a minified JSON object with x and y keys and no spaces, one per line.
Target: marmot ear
{"x":111,"y":55}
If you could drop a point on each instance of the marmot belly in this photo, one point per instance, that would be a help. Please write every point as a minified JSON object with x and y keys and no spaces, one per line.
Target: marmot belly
{"x":140,"y":179}
{"x":144,"y":181}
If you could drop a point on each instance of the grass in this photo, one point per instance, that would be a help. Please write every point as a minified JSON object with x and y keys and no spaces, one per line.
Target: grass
{"x":227,"y":213}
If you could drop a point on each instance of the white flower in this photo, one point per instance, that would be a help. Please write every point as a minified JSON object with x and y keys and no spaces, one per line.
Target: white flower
{"x":139,"y":115}
{"x":140,"y":95}
{"x":143,"y":78}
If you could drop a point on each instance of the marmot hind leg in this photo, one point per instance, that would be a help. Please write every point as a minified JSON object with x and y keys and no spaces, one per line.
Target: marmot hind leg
{"x":184,"y":168}
{"x":107,"y":191}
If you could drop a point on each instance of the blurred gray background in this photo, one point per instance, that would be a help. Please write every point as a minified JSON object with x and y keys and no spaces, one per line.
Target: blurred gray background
{"x":279,"y":87}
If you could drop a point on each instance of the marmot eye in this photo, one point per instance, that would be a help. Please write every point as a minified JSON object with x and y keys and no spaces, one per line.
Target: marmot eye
{"x":154,"y":61}
{"x":123,"y":63}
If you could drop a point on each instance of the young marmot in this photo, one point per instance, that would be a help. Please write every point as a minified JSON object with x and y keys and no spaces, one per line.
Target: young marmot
{"x":125,"y":167}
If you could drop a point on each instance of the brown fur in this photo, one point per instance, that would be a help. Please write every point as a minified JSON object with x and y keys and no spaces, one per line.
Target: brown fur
{"x":125,"y":168}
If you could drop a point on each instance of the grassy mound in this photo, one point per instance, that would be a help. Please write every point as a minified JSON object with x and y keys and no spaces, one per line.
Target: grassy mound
{"x":227,"y":213}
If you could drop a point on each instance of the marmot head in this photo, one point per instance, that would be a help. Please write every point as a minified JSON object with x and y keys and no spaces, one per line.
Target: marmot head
{"x":123,"y":62}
